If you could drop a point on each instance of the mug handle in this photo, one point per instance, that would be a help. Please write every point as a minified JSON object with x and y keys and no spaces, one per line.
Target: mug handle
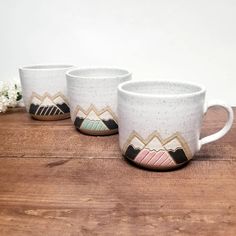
{"x":225,"y":129}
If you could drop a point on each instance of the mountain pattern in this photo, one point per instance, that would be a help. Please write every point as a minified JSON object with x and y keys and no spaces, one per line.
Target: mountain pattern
{"x":48,"y":105}
{"x":155,"y":152}
{"x":94,"y":119}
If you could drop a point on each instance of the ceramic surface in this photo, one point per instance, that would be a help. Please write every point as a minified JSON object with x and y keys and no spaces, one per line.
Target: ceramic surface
{"x":160,"y":122}
{"x":44,"y":91}
{"x":93,"y":98}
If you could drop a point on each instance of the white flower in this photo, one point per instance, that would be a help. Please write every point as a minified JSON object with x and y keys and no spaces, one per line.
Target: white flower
{"x":10,"y":95}
{"x":3,"y":88}
{"x":3,"y":103}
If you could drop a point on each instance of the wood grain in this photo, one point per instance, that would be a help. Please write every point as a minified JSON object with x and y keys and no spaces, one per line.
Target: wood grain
{"x":72,"y":184}
{"x":98,"y":197}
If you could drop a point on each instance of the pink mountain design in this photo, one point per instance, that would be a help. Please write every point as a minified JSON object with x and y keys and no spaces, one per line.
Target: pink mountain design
{"x":156,"y":153}
{"x":154,"y":158}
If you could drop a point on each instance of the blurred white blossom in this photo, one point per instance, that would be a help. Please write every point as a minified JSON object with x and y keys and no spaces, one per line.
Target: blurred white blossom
{"x":10,"y":95}
{"x":3,"y":103}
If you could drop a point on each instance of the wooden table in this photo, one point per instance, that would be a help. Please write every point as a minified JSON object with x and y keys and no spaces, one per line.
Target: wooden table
{"x":55,"y":181}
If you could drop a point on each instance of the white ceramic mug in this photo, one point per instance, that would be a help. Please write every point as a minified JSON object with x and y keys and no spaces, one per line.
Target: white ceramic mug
{"x":44,"y":91}
{"x":93,"y":98}
{"x":160,"y":122}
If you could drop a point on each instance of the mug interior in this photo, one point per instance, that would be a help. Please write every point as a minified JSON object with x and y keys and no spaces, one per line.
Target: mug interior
{"x":98,"y":73}
{"x":160,"y":88}
{"x":46,"y":67}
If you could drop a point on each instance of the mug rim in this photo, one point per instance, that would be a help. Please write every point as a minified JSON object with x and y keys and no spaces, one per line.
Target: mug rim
{"x":202,"y":89}
{"x":126,"y":74}
{"x":45,"y":67}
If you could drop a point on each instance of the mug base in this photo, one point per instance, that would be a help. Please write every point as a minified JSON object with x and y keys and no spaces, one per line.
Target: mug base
{"x":98,"y":133}
{"x":146,"y":167}
{"x":51,"y":118}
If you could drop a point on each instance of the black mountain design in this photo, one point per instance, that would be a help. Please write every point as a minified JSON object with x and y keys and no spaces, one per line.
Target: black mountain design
{"x":48,"y":105}
{"x":178,"y":155}
{"x":78,"y":122}
{"x":33,"y":108}
{"x":111,"y":124}
{"x":64,"y":107}
{"x":49,"y":110}
{"x":132,"y":152}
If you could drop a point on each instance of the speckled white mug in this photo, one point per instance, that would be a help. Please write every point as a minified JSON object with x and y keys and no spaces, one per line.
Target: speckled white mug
{"x":160,"y":122}
{"x":44,"y":91}
{"x":93,"y":98}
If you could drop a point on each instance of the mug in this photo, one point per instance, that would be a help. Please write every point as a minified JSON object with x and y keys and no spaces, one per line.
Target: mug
{"x":44,"y":91}
{"x":160,"y":122}
{"x":93,"y":99}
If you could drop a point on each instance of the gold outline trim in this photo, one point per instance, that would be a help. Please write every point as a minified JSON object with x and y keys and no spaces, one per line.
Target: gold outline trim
{"x":93,"y":108}
{"x":46,"y":94}
{"x":176,"y":135}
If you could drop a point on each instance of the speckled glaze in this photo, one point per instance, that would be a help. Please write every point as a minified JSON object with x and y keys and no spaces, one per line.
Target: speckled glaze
{"x":44,"y":91}
{"x":160,"y":122}
{"x":93,"y":98}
